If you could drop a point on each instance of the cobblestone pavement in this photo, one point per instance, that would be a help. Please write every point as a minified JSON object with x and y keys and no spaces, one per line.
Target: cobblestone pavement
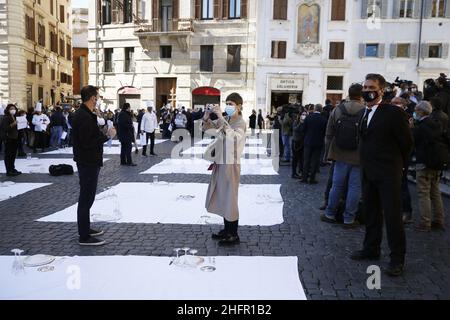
{"x":325,"y":270}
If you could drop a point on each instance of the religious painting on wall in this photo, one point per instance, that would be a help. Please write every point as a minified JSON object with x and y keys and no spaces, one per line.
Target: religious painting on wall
{"x":308,"y":24}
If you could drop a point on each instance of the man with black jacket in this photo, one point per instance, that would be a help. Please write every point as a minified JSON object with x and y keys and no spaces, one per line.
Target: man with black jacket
{"x":429,"y":143}
{"x":126,"y":135}
{"x":385,"y":146}
{"x":88,"y":143}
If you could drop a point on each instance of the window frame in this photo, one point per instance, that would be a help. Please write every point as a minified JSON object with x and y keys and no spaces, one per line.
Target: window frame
{"x":237,"y":9}
{"x":235,"y":66}
{"x":440,"y":45}
{"x":210,"y":15}
{"x":336,"y":16}
{"x":161,"y":51}
{"x":404,"y":8}
{"x":343,"y":50}
{"x":377,"y":52}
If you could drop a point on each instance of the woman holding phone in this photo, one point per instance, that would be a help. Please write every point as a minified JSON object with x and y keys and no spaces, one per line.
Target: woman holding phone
{"x":222,"y":194}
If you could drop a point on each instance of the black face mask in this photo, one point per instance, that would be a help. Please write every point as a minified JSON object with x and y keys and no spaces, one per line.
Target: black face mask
{"x":370,"y":96}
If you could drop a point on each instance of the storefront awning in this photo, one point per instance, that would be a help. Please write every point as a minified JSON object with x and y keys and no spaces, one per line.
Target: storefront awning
{"x":206,"y":91}
{"x":128,"y":90}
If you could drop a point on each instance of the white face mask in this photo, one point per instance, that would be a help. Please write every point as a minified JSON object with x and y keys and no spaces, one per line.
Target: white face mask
{"x":12,"y":112}
{"x":98,"y":104}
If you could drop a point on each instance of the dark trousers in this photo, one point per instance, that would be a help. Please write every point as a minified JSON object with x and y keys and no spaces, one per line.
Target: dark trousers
{"x":311,"y":158}
{"x":152,"y":142}
{"x":125,"y":152}
{"x":88,"y":186}
{"x":329,"y":183}
{"x":406,"y":196}
{"x":20,"y":143}
{"x":382,"y":198}
{"x":297,"y":157}
{"x":10,"y":154}
{"x":39,"y":140}
{"x":231,"y":227}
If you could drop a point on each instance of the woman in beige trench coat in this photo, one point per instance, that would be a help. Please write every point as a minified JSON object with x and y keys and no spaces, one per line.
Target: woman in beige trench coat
{"x":222,"y":194}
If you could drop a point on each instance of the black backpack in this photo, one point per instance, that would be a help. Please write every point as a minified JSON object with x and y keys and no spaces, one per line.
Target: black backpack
{"x":60,"y":169}
{"x":347,"y":130}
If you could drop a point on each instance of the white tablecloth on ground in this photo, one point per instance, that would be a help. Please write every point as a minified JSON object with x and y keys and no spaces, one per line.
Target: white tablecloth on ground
{"x":148,"y":278}
{"x":247,"y":142}
{"x":40,"y":165}
{"x":199,"y":150}
{"x":9,"y":189}
{"x":114,"y":149}
{"x":200,"y":166}
{"x":259,"y":204}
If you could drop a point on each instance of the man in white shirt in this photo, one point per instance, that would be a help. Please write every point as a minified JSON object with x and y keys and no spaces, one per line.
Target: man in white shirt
{"x":148,"y":127}
{"x":41,"y":123}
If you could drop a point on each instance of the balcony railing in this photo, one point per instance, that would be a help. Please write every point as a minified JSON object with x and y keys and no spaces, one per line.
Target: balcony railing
{"x":163,"y":25}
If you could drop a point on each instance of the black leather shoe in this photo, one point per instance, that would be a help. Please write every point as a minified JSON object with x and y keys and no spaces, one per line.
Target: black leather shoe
{"x":220,"y":235}
{"x":324,"y":218}
{"x":394,"y":269}
{"x":362,"y":255}
{"x":229,"y":240}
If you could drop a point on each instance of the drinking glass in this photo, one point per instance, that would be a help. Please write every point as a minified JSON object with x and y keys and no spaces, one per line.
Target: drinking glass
{"x":18,"y":267}
{"x":155,"y":179}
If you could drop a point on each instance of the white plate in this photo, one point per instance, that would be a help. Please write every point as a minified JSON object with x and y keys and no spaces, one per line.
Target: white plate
{"x":38,"y":260}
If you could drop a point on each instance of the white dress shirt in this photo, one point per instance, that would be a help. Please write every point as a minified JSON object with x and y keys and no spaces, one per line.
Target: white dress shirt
{"x":374,"y":109}
{"x":149,"y":122}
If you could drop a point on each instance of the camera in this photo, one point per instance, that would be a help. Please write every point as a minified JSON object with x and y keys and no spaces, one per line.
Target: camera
{"x":399,"y":83}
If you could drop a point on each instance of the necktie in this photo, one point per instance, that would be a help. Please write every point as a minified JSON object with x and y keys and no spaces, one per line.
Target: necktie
{"x":365,"y":121}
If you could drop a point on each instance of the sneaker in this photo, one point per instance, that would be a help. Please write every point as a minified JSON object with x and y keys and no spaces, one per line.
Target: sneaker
{"x":91,"y":241}
{"x":12,"y":174}
{"x":394,"y":269}
{"x":353,"y":225}
{"x":219,"y":236}
{"x":95,"y":233}
{"x":324,"y":218}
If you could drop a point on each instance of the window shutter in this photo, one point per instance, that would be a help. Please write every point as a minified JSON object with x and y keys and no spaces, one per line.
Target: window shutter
{"x":445,"y":50}
{"x":216,"y":9}
{"x":424,"y":51}
{"x":198,"y":9}
{"x":417,"y":8}
{"x":413,"y":51}
{"x":362,"y":50}
{"x":284,"y":9}
{"x":393,"y":50}
{"x":396,"y":10}
{"x":175,"y":13}
{"x":225,"y":9}
{"x":61,"y":14}
{"x":282,"y":49}
{"x":428,"y":8}
{"x":244,"y":8}
{"x":381,"y":48}
{"x":274,"y":48}
{"x":384,"y":8}
{"x":338,"y":10}
{"x":364,"y":4}
{"x":447,"y":9}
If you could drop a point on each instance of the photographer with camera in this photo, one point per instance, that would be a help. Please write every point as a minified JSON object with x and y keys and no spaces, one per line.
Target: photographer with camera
{"x":222,"y":194}
{"x":443,"y":92}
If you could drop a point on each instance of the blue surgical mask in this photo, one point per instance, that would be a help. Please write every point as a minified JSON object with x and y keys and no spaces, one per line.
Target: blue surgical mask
{"x":230,"y":110}
{"x":416,"y":116}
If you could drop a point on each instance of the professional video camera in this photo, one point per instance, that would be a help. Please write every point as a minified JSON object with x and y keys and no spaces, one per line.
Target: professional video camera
{"x":403,"y":83}
{"x":444,"y":80}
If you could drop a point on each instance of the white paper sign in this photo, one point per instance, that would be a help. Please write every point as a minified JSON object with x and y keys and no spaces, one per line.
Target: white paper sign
{"x":43,"y":127}
{"x":63,"y":135}
{"x":22,"y":122}
{"x":142,"y":140}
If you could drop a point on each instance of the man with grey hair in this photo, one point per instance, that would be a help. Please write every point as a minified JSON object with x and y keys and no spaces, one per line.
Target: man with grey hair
{"x":431,"y":158}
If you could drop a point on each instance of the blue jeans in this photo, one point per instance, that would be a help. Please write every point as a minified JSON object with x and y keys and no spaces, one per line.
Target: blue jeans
{"x":346,"y":177}
{"x":55,"y":138}
{"x":287,"y":146}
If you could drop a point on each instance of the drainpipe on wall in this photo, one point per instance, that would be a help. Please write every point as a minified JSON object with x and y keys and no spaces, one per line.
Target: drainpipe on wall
{"x":420,"y":33}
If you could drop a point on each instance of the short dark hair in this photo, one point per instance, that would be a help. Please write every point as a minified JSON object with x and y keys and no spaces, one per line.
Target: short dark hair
{"x":328,"y":101}
{"x":436,"y":103}
{"x":377,"y":77}
{"x":355,"y":91}
{"x":87,"y":92}
{"x":126,"y":106}
{"x":236,"y":98}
